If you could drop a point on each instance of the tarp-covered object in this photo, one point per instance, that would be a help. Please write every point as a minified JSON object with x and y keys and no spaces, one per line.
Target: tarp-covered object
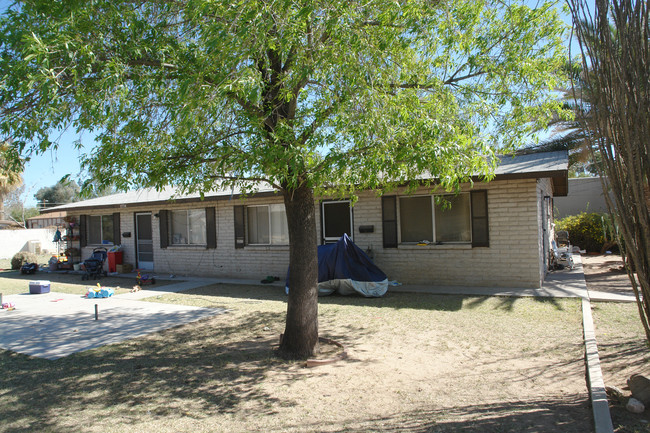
{"x":344,"y":268}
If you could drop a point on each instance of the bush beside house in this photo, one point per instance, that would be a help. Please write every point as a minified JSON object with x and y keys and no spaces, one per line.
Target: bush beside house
{"x":589,"y":231}
{"x":19,"y":259}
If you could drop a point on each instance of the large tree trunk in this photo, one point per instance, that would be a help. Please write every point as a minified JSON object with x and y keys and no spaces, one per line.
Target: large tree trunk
{"x":300,"y":338}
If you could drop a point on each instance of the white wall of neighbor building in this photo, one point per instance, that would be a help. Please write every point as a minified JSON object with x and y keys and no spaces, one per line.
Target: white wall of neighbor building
{"x":513,"y":258}
{"x":585,"y":195}
{"x":34,"y":240}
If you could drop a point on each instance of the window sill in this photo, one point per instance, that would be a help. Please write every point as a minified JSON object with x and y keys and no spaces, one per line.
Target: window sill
{"x":448,"y":246}
{"x":188,"y":247}
{"x":267,"y":247}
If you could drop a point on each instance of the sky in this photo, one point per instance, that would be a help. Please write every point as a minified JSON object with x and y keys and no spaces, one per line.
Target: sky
{"x":48,"y":168}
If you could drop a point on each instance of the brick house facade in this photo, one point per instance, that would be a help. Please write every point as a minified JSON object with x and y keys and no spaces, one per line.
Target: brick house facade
{"x":494,"y":234}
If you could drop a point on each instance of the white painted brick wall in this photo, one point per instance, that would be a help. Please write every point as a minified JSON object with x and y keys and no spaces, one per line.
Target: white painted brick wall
{"x":512,"y":260}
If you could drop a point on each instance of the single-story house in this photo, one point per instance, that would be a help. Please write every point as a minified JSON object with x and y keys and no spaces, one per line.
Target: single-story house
{"x":495,"y":233}
{"x":46,"y":220}
{"x":9,"y":224}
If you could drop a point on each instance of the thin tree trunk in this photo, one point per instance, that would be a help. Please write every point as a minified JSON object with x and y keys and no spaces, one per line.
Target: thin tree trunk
{"x":300,"y":338}
{"x":616,"y":54}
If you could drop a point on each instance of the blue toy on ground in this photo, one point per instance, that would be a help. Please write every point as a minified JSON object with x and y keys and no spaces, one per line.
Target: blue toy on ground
{"x":100,"y":292}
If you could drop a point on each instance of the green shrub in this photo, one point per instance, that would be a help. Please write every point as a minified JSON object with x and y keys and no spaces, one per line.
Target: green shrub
{"x":589,"y":231}
{"x":19,"y":259}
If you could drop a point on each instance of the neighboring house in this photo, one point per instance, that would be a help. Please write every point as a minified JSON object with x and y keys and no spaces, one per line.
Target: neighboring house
{"x":46,"y":220}
{"x":9,"y":224}
{"x":495,"y":234}
{"x":586,"y":195}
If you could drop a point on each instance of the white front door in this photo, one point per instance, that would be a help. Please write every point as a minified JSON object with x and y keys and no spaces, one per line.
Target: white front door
{"x":144,"y":241}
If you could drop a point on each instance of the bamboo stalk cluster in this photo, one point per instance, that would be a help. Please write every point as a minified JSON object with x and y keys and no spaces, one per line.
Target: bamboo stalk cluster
{"x":615,"y":50}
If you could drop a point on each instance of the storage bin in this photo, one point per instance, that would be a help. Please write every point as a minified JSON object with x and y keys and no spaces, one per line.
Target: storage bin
{"x":38,"y":287}
{"x":114,"y":258}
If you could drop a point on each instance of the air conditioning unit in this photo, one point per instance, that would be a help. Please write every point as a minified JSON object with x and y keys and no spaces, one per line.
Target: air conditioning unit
{"x":34,"y":247}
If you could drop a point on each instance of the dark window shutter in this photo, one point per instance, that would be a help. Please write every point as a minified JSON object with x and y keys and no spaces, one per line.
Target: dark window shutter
{"x":211,"y":227}
{"x":389,"y":220}
{"x":163,"y":220}
{"x":117,"y":233}
{"x":480,"y":226}
{"x":240,"y":238}
{"x":83,"y":226}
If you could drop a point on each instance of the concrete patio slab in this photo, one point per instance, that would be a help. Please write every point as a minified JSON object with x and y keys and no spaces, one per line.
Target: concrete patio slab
{"x":54,"y":325}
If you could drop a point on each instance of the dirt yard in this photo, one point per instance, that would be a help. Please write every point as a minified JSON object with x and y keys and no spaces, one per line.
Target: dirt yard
{"x":417,"y":363}
{"x":622,"y":345}
{"x":605,"y":273}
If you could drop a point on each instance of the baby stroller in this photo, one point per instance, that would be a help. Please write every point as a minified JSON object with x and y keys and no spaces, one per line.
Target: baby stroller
{"x":94,"y":265}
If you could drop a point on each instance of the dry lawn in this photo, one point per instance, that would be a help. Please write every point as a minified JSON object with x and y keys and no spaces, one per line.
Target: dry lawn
{"x":622,"y":344}
{"x":13,"y":282}
{"x":417,"y":363}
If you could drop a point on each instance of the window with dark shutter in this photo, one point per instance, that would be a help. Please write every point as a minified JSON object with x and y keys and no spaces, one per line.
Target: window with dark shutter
{"x":240,"y":238}
{"x":83,"y":226}
{"x":480,"y":226}
{"x":211,"y":227}
{"x":389,"y":220}
{"x":117,"y":234}
{"x":163,"y":221}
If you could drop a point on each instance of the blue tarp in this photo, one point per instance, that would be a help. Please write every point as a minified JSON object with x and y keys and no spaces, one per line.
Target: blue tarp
{"x":344,"y":268}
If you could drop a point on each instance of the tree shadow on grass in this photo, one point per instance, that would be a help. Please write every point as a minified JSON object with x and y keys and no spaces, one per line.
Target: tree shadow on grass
{"x":507,"y":303}
{"x":567,"y":414}
{"x":634,"y":351}
{"x":193,"y":370}
{"x":395,"y":300}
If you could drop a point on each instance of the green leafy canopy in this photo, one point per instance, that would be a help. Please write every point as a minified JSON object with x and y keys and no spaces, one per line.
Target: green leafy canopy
{"x":324,"y":94}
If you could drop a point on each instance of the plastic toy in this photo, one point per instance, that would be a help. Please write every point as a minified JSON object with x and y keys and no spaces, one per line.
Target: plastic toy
{"x":100,"y":292}
{"x":29,"y":268}
{"x":141,"y":280}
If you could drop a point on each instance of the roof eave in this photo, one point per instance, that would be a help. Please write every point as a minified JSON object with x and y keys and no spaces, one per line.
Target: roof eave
{"x":206,"y":199}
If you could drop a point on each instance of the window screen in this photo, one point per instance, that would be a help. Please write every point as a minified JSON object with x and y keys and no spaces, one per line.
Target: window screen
{"x":416,"y":222}
{"x":258,"y":225}
{"x":453,"y":219}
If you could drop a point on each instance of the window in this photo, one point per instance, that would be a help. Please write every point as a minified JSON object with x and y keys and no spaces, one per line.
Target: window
{"x":267,"y":225}
{"x":337,"y":220}
{"x":188,"y":227}
{"x":453,"y":219}
{"x":415,"y":219}
{"x":100,"y":229}
{"x":425,"y":218}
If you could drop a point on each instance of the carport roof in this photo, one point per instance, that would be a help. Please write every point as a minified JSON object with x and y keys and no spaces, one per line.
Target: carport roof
{"x":552,"y":165}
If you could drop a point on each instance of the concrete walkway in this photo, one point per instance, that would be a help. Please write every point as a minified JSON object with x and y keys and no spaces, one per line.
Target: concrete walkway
{"x":54,"y":325}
